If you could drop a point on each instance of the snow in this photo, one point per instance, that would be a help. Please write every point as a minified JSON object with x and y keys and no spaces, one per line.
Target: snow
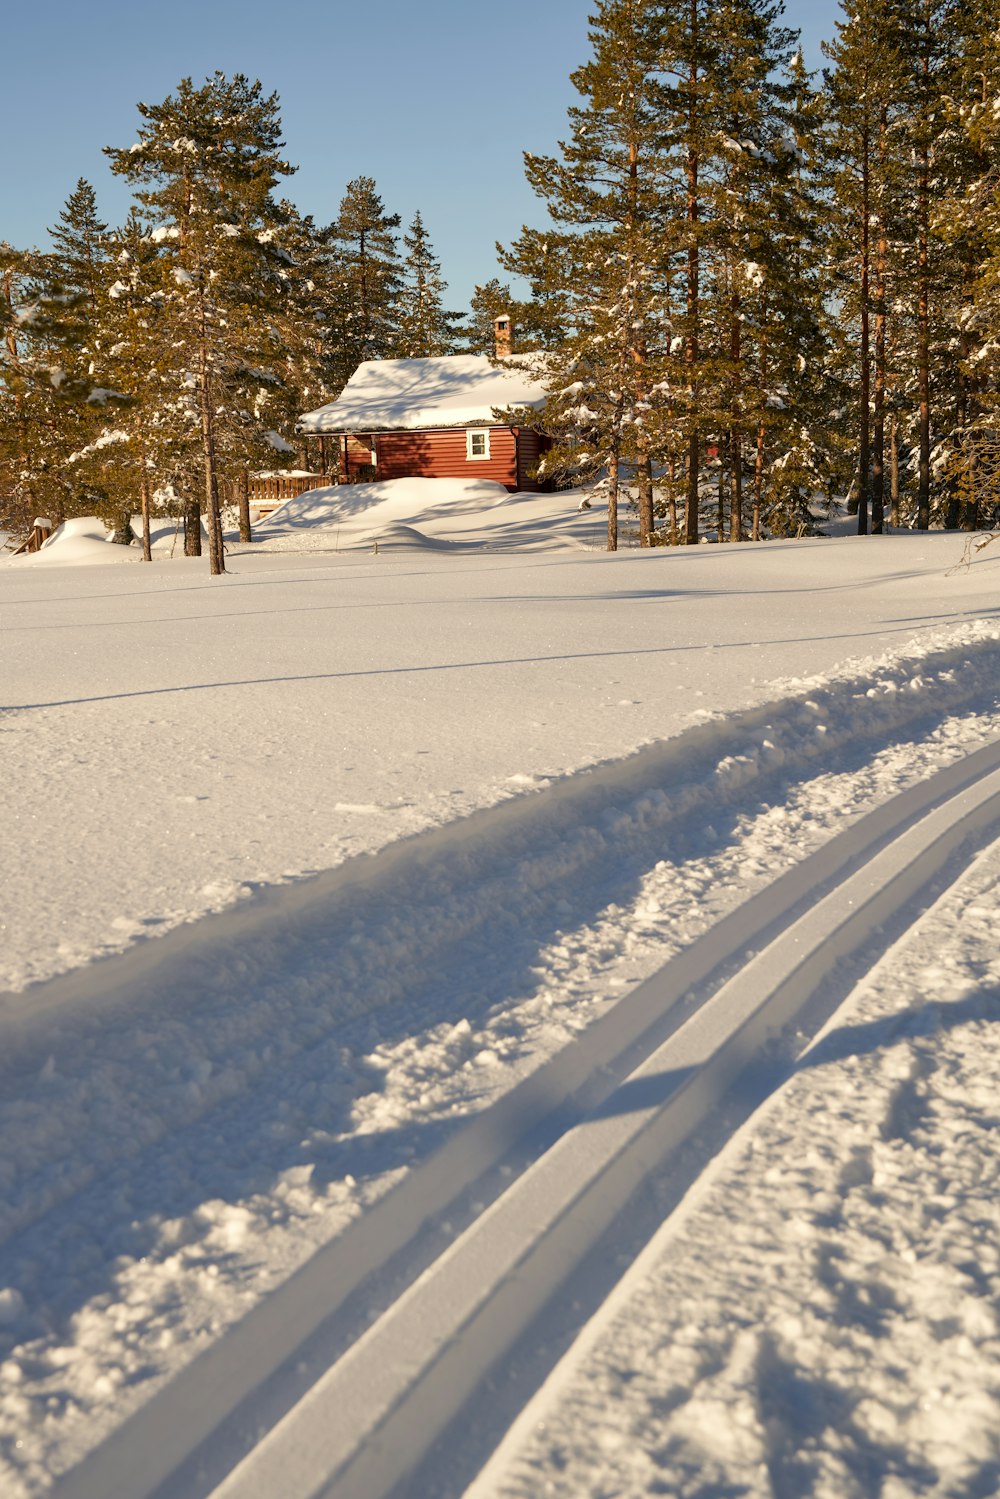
{"x":82,"y":539}
{"x":307,"y":865}
{"x":840,"y":1336}
{"x":458,"y":390}
{"x":430,"y":514}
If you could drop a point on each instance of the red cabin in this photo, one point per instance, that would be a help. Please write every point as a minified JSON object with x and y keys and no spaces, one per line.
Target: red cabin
{"x":434,"y":419}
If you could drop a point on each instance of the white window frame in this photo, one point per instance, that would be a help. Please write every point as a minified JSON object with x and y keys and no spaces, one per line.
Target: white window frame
{"x":470,"y":434}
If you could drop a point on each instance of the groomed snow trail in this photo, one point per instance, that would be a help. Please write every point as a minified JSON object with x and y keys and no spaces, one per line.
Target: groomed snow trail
{"x":264,"y":1079}
{"x":369,"y":1420}
{"x":820,"y":1314}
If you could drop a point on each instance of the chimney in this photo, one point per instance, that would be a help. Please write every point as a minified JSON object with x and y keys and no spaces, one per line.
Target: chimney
{"x":503,"y":331}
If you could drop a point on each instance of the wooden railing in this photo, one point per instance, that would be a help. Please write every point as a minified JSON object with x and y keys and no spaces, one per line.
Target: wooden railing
{"x":278,"y":487}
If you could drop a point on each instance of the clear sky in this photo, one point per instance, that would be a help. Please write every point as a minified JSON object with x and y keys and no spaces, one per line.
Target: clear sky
{"x":435,"y":100}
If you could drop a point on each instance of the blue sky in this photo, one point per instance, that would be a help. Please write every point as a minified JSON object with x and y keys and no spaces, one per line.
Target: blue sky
{"x":436,"y":101}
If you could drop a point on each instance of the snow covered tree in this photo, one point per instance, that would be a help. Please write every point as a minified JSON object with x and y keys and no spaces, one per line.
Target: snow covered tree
{"x":204,"y":167}
{"x":367,"y":281}
{"x":596,"y":277}
{"x":763,"y":300}
{"x":678,"y":284}
{"x":425,"y":329}
{"x":864,"y":94}
{"x":966,"y":219}
{"x":54,"y":391}
{"x":28,"y":420}
{"x":149,"y":445}
{"x":79,"y":258}
{"x":488,"y":302}
{"x":893,"y":62}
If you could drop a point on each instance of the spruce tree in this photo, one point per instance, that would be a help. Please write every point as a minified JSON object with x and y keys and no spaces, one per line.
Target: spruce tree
{"x":488,"y":302}
{"x":367,"y":281}
{"x":54,"y":392}
{"x":80,"y":240}
{"x":425,"y":329}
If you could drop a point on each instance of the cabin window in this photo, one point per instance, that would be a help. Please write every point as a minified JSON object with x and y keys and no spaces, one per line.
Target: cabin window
{"x":477,"y":443}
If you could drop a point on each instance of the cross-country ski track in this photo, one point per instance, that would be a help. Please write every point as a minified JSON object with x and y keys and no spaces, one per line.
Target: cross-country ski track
{"x":375,"y":1413}
{"x":340,"y":1378}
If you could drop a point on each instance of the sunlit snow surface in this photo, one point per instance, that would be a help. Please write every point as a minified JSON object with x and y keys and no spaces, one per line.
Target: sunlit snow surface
{"x":823,"y":1315}
{"x":177,"y":746}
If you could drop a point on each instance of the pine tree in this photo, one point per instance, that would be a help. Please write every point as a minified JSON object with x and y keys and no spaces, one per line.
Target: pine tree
{"x":967,"y":222}
{"x":762,"y":298}
{"x":596,"y":277}
{"x":153,"y":444}
{"x":891,"y":66}
{"x":204,"y":167}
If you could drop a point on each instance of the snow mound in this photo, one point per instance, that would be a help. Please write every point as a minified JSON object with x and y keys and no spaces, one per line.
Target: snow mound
{"x":437,"y":514}
{"x":400,"y":500}
{"x":83,"y":539}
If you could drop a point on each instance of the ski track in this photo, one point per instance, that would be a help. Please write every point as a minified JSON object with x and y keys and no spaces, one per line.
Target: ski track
{"x":189,"y":1122}
{"x":841,"y":1339}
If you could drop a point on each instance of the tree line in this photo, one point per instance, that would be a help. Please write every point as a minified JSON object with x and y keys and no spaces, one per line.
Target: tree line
{"x":161,"y":361}
{"x":760,"y":285}
{"x":756,"y":286}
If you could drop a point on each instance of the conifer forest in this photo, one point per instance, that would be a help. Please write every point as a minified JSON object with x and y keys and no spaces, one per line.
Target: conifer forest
{"x":750,"y":289}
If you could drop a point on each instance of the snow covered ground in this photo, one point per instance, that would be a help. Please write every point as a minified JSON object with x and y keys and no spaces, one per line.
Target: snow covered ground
{"x":307,"y":865}
{"x":822,"y":1315}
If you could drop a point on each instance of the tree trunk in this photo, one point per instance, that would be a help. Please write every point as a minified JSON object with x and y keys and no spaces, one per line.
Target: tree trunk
{"x":246,"y":533}
{"x":878,"y":415}
{"x":735,"y":435}
{"x":894,"y":473}
{"x":864,"y":442}
{"x":923,"y":298}
{"x":645,"y":481}
{"x":613,"y":504}
{"x":720,"y":499}
{"x":192,"y":528}
{"x":758,"y":484}
{"x":693,"y":288}
{"x":672,"y":500}
{"x":144,"y":500}
{"x":953,"y":502}
{"x":216,"y":554}
{"x":758,"y":470}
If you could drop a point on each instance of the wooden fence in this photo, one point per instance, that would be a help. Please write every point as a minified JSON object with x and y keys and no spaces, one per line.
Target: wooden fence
{"x":277,"y":487}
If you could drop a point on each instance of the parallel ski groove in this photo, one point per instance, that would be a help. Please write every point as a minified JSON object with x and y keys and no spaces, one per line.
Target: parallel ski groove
{"x":141,"y":1456}
{"x":367,"y":1422}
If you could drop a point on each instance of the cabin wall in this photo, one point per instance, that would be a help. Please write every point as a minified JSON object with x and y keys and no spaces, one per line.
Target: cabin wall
{"x":443,"y":455}
{"x":530,"y":447}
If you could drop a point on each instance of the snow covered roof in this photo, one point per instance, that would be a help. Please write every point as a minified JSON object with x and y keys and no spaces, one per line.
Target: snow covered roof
{"x":400,"y":395}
